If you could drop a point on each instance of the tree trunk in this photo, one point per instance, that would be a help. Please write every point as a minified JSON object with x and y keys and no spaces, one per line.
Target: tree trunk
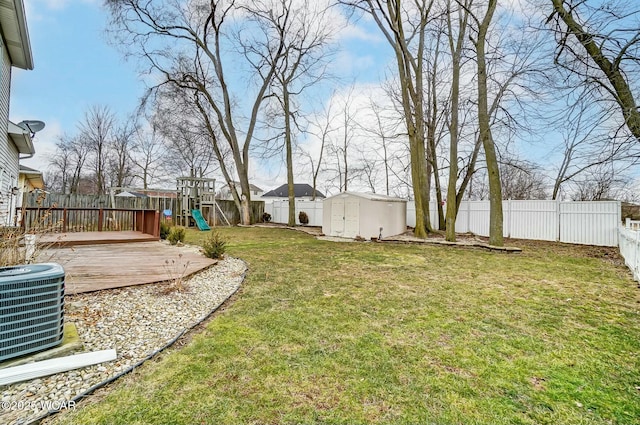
{"x":288,"y":143}
{"x":493,"y":169}
{"x":456,"y":55}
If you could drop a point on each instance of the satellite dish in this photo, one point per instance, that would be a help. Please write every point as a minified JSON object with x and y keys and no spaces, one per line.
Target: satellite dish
{"x":32,"y":126}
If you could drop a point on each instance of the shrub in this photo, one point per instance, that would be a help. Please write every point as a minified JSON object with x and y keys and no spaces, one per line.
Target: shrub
{"x":214,"y":245}
{"x":176,"y":234}
{"x":176,"y":271}
{"x":165,"y":228}
{"x":303,"y":218}
{"x":11,"y":253}
{"x":14,"y":248}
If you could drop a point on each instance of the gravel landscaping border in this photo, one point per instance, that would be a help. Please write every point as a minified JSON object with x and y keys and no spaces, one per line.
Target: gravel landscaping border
{"x":138,"y":321}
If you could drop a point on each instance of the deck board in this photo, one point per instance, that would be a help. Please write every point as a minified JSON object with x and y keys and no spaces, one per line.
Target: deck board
{"x":95,"y":267}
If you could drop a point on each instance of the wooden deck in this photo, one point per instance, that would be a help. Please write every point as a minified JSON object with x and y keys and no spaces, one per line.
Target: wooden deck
{"x":93,"y":238}
{"x":104,"y":266}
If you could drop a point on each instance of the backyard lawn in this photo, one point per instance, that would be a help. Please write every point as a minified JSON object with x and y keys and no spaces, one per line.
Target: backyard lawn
{"x":350,"y":333}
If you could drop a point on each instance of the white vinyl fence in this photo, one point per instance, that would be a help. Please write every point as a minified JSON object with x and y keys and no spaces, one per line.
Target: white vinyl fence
{"x":279,"y":211}
{"x":630,"y":246}
{"x":590,"y":223}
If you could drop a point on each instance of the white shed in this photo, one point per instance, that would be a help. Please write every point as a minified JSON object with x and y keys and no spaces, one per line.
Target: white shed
{"x":351,"y":214}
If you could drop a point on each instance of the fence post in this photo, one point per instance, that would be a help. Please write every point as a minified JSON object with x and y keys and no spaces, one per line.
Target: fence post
{"x":65,"y":217}
{"x":100,"y":218}
{"x":468,"y":215}
{"x":510,"y":217}
{"x":559,"y":215}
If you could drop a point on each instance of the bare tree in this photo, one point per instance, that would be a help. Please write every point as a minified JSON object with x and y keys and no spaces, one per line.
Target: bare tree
{"x":405,"y":28}
{"x":68,"y":163}
{"x":522,"y":180}
{"x":456,"y":45}
{"x":600,"y":183}
{"x":607,"y":49}
{"x":96,"y":132}
{"x":386,"y":133}
{"x":194,"y":47}
{"x":344,"y":127}
{"x":121,"y":172}
{"x":302,"y":64}
{"x":484,"y":126}
{"x":586,"y":144}
{"x":148,"y":155}
{"x":60,"y":167}
{"x":186,"y":145}
{"x":320,"y":128}
{"x":348,"y":127}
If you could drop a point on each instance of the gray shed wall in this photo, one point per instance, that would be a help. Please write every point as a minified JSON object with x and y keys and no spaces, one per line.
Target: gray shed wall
{"x":349,"y":215}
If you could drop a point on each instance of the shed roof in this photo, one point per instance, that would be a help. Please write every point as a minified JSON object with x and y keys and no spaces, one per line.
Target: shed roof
{"x":371,"y":196}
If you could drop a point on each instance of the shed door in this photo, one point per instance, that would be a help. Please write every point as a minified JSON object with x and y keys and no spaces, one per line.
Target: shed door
{"x":337,"y":217}
{"x":352,"y":218}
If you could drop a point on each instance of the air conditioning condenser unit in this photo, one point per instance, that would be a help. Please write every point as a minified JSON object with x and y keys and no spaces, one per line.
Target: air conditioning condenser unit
{"x":31,"y":308}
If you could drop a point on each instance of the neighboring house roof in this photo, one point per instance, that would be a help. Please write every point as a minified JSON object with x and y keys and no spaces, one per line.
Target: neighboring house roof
{"x":132,"y":195}
{"x":33,"y":176}
{"x":161,"y":194}
{"x":371,"y":196}
{"x":299,"y":189}
{"x":20,"y":137}
{"x":15,"y":33}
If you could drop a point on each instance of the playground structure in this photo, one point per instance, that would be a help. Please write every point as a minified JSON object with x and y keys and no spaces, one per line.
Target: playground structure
{"x":196,"y":202}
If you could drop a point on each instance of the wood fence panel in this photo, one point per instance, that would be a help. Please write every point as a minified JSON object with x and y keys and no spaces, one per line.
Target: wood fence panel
{"x":231,"y":212}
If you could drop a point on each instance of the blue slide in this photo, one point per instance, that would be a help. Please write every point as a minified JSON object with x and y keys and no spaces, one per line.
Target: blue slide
{"x":197,"y":216}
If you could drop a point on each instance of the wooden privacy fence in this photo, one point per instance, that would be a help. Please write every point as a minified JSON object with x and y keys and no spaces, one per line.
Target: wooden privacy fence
{"x":228,"y":208}
{"x":62,"y":200}
{"x":96,"y":202}
{"x":590,"y":223}
{"x":89,"y":220}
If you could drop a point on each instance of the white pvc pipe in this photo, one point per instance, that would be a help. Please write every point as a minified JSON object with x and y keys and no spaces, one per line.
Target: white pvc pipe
{"x":34,"y":370}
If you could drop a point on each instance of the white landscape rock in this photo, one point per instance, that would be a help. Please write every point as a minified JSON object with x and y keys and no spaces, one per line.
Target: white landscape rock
{"x":137,"y":321}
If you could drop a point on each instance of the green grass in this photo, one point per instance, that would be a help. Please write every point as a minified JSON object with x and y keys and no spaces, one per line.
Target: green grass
{"x":341,"y":333}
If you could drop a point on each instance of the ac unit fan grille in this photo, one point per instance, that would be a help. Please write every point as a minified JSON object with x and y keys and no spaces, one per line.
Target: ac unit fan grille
{"x":36,"y":285}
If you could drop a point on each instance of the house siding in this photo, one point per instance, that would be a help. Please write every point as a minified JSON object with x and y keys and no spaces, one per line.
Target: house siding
{"x":8,"y":151}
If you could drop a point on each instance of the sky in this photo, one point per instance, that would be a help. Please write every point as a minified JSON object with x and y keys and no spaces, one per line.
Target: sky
{"x":75,"y":68}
